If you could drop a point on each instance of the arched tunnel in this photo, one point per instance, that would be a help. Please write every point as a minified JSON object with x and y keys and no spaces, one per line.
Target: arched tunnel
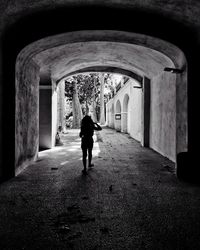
{"x":40,"y":47}
{"x":53,"y":58}
{"x":153,"y":50}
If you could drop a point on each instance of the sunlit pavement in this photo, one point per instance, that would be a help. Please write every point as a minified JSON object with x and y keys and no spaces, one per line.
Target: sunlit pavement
{"x":131,"y":199}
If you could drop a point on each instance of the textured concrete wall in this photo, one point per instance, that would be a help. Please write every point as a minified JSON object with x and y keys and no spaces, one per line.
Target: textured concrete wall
{"x":182,"y":113}
{"x":71,"y":57}
{"x":27,"y":112}
{"x":48,"y":116}
{"x":135,"y":113}
{"x":163,"y":115}
{"x":54,"y":109}
{"x":1,"y":92}
{"x":45,"y":125}
{"x":145,"y":122}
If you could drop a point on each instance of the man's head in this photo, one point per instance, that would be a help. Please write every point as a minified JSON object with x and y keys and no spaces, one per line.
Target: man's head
{"x":87,"y":120}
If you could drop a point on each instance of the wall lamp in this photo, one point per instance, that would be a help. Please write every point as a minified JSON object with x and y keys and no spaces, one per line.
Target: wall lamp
{"x":138,"y":86}
{"x":173,"y":70}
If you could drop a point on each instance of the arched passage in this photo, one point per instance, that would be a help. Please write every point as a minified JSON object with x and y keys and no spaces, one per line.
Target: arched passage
{"x":19,"y":25}
{"x":125,"y":114}
{"x":42,"y":54}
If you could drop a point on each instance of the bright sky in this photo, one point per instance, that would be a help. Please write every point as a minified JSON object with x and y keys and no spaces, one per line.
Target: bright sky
{"x":117,"y":78}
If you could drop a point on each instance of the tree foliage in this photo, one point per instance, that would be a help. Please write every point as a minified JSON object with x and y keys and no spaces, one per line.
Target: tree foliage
{"x":88,"y":89}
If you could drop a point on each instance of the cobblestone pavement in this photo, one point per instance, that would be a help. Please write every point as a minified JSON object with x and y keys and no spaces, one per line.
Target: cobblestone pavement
{"x":131,"y":199}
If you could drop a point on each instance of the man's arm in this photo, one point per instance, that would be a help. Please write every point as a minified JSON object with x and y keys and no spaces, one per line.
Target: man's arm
{"x":97,"y":127}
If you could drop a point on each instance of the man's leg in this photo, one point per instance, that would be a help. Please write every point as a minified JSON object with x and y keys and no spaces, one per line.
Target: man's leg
{"x":84,"y":150}
{"x":90,"y":157}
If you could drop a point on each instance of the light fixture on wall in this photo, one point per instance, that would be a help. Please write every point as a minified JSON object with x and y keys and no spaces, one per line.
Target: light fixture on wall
{"x":137,"y":87}
{"x":173,"y":70}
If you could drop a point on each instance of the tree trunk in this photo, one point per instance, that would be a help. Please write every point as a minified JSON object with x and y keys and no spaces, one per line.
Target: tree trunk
{"x":76,"y":109}
{"x":102,"y":110}
{"x":61,"y":106}
{"x":86,"y":107}
{"x":94,"y":113}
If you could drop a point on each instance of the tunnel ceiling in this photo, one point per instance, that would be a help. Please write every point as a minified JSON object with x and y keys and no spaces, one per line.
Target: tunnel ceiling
{"x":61,"y":60}
{"x":57,"y":60}
{"x":181,"y":10}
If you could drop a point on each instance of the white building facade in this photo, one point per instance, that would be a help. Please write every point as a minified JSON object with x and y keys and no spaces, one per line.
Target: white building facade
{"x":135,"y":109}
{"x":123,"y":111}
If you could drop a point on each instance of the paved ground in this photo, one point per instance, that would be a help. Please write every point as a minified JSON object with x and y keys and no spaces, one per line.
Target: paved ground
{"x":131,"y":199}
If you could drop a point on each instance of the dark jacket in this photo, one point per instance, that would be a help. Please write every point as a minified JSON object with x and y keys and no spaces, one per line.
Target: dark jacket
{"x":88,"y":131}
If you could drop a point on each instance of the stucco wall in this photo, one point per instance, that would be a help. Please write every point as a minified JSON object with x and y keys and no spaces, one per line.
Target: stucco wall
{"x":27,"y":111}
{"x":54,"y":115}
{"x":134,"y":109}
{"x":45,"y":117}
{"x":163,"y":115}
{"x":48,"y":116}
{"x":1,"y":97}
{"x":135,"y":113}
{"x":0,"y":127}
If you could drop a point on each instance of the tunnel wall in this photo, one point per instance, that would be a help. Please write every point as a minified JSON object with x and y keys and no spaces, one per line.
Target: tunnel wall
{"x":163,"y":115}
{"x":1,"y":172}
{"x":54,"y":110}
{"x":27,"y":111}
{"x":135,"y":113}
{"x":45,"y":117}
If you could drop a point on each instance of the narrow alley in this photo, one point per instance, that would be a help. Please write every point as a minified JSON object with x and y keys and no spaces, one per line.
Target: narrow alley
{"x":131,"y":199}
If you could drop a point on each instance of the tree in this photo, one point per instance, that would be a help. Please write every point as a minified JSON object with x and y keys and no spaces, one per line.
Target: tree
{"x":71,"y":92}
{"x":85,"y":88}
{"x":102,"y":107}
{"x":89,"y":93}
{"x":94,"y":100}
{"x":90,"y":90}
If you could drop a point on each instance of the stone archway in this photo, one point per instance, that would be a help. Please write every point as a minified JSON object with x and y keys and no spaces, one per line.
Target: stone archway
{"x":37,"y":51}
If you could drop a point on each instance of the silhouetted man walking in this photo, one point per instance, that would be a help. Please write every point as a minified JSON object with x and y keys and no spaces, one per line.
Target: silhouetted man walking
{"x":86,"y":134}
